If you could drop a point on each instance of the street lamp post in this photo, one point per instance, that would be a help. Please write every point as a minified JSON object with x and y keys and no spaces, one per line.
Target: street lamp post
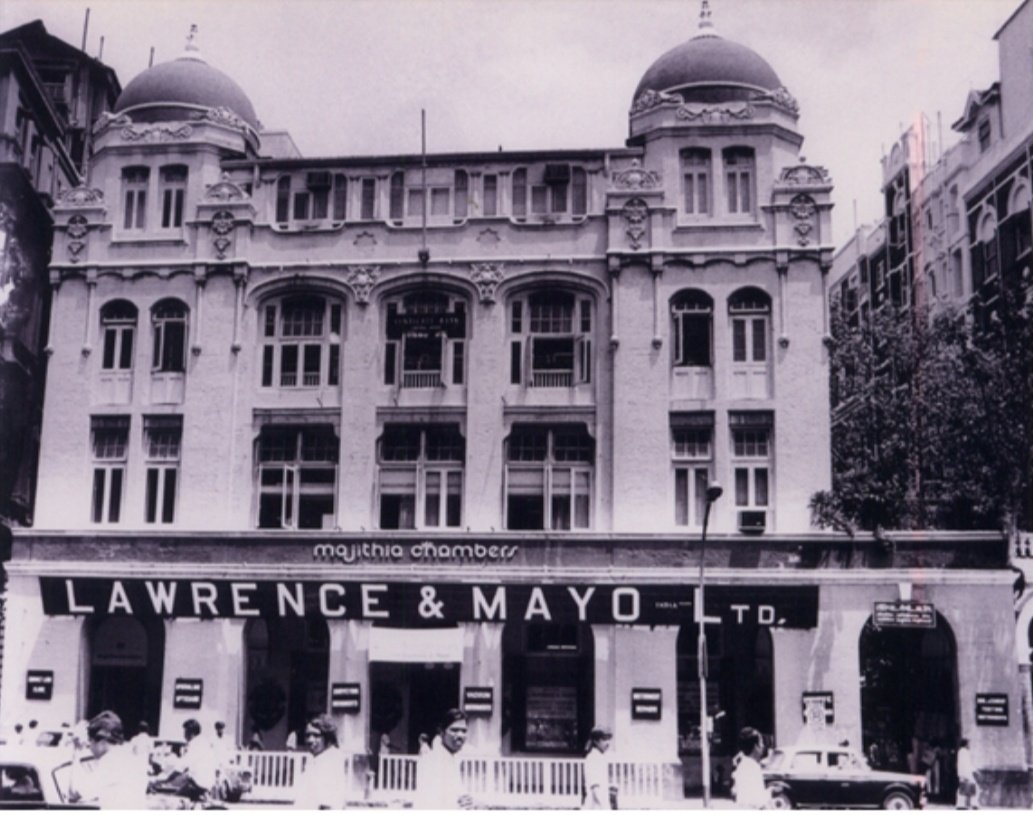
{"x":713,"y":493}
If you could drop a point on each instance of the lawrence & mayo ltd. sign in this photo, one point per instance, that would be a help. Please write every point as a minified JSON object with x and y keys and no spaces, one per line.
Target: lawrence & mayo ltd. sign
{"x":430,"y":603}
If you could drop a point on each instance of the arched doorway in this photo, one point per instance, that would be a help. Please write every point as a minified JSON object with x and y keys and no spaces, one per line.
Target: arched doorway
{"x":288,"y":662}
{"x":740,"y":693}
{"x":909,"y":708}
{"x":126,"y":659}
{"x":548,"y":687}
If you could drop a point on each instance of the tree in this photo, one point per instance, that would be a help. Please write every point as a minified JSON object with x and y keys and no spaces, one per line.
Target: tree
{"x":933,"y":419}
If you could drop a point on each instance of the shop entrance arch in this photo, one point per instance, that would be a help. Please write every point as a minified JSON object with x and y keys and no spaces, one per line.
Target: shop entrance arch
{"x":288,"y":662}
{"x":740,"y":693}
{"x":909,"y":701}
{"x":548,"y":687}
{"x":126,"y":659}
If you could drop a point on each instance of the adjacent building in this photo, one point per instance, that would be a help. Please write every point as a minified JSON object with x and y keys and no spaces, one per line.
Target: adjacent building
{"x":387,"y":434}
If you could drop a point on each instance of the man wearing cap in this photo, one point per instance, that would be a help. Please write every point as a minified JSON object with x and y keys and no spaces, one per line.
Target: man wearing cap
{"x":321,"y":784}
{"x":597,"y":771}
{"x":114,"y":780}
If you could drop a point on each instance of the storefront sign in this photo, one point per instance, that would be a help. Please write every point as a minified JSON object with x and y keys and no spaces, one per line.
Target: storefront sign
{"x":432,"y":604}
{"x":345,"y":697}
{"x":420,"y":552}
{"x":39,"y":685}
{"x":992,"y":709}
{"x":646,"y":703}
{"x":818,"y":707}
{"x":478,"y":701}
{"x":904,"y":614}
{"x":450,"y":324}
{"x":187,"y":694}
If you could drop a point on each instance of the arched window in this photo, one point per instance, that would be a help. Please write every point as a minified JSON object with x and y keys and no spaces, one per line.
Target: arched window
{"x":696,"y":181}
{"x":169,"y":318}
{"x":302,"y":342}
{"x":692,"y":313}
{"x":740,"y":172}
{"x":118,"y":325}
{"x":551,"y":339}
{"x":750,"y":313}
{"x":426,"y":338}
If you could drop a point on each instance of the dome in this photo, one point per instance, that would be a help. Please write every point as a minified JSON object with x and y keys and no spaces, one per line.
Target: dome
{"x":709,"y":68}
{"x":187,"y":80}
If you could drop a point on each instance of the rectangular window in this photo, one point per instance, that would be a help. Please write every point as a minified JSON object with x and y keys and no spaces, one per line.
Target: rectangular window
{"x":490,"y":197}
{"x":302,"y":348}
{"x":421,"y":476}
{"x":739,"y":169}
{"x":369,"y":199}
{"x":162,"y":439}
{"x":549,"y":477}
{"x":134,"y":191}
{"x":110,"y":443}
{"x":692,"y":454}
{"x":696,"y":181}
{"x":283,"y":199}
{"x":751,"y":459}
{"x":173,"y":182}
{"x":297,"y":477}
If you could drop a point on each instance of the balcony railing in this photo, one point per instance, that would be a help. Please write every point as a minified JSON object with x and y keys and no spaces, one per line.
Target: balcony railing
{"x":552,"y":379}
{"x":421,"y":379}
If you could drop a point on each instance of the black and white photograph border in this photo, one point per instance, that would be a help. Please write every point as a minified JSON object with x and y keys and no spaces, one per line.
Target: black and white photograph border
{"x":511,"y":404}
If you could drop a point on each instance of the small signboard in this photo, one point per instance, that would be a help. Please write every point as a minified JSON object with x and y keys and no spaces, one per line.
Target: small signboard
{"x":819,"y":707}
{"x":39,"y":685}
{"x":478,"y":701}
{"x":992,"y":709}
{"x":345,"y":697}
{"x":904,"y":614}
{"x":187,"y":694}
{"x":646,"y":703}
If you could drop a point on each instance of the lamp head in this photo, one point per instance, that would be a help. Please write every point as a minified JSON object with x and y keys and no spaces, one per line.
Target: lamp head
{"x":714,"y":492}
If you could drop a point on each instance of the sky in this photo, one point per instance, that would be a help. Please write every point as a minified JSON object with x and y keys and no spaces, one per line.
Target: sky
{"x":349,"y":77}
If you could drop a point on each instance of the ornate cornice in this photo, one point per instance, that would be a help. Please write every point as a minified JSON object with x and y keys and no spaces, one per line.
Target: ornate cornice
{"x":225,"y":190}
{"x":650,"y":99}
{"x":804,"y":175}
{"x":81,"y":197}
{"x":715,"y":113}
{"x":635,"y":213}
{"x":636,"y":178}
{"x":783,"y":98}
{"x":156,"y":133}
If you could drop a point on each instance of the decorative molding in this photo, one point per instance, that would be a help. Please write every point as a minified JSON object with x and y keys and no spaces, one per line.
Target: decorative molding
{"x":77,"y":226}
{"x":223,"y":225}
{"x":715,"y":113}
{"x":361,"y":279}
{"x":222,"y":116}
{"x":156,"y":133}
{"x":804,"y":174}
{"x":635,"y":213}
{"x":783,"y":98}
{"x":108,"y":119}
{"x":224,"y":190}
{"x":365,"y":240}
{"x":488,"y":237}
{"x":486,"y":276}
{"x":803,"y":210}
{"x":81,"y":197}
{"x":650,"y":99}
{"x":636,"y":178}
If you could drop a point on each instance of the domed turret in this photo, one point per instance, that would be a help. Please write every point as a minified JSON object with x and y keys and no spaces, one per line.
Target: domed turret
{"x":709,"y":69}
{"x":162,"y":91}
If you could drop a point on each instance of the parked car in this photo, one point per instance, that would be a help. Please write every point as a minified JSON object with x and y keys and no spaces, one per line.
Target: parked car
{"x":34,"y":778}
{"x":813,"y":776}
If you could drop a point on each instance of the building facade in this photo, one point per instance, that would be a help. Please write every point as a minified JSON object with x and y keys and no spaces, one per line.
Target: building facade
{"x":382,"y":435}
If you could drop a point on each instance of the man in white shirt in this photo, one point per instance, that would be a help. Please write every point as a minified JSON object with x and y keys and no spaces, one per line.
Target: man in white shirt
{"x":439,"y":783}
{"x":748,"y":777}
{"x":112,"y":780}
{"x":199,"y":760}
{"x":322,"y":783}
{"x":968,"y":790}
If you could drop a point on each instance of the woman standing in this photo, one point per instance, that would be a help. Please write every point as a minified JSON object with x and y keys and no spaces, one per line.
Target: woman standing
{"x":598,"y":793}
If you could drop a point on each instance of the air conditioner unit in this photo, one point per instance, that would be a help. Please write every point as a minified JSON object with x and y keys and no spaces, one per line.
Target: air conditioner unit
{"x":752,"y":522}
{"x":317,"y":181}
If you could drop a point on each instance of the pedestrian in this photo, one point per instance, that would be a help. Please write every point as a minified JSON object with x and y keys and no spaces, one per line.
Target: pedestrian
{"x":115,"y":780}
{"x":598,"y":793}
{"x":32,"y":734}
{"x":321,"y":784}
{"x":19,"y":737}
{"x":221,"y":745}
{"x":747,"y":776}
{"x":439,"y":784}
{"x":199,"y":762}
{"x":968,"y":789}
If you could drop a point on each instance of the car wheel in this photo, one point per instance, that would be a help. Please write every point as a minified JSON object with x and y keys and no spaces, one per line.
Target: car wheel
{"x":898,"y":800}
{"x":780,"y":800}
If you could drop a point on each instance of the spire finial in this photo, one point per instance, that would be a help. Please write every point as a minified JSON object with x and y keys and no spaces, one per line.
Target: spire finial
{"x":704,"y":15}
{"x":192,"y":37}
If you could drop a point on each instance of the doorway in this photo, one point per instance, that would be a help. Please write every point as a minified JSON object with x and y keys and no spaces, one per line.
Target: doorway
{"x":408,"y":699}
{"x":127,"y":658}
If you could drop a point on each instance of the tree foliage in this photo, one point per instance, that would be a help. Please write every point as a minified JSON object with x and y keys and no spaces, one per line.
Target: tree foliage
{"x":934,"y":419}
